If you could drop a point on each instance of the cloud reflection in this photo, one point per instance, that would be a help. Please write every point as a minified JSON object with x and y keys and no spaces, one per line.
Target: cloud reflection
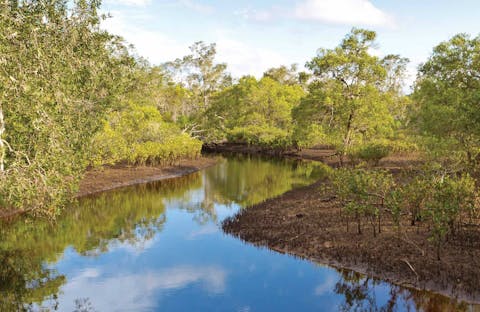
{"x":138,"y":292}
{"x":326,"y":287}
{"x":205,"y":230}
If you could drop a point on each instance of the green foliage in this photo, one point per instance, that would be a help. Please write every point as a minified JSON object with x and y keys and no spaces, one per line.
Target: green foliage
{"x":412,"y":197}
{"x":444,"y":202}
{"x":60,"y":75}
{"x":311,"y":135}
{"x":200,"y":73}
{"x":371,"y":153}
{"x":139,"y":135}
{"x":353,"y":93}
{"x":287,"y":76}
{"x":446,"y":93}
{"x":254,"y":111}
{"x":264,"y":136}
{"x":449,"y":198}
{"x":401,"y":144}
{"x":363,"y":193}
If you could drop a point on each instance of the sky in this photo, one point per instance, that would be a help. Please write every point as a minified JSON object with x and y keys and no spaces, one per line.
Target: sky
{"x":252,"y":36}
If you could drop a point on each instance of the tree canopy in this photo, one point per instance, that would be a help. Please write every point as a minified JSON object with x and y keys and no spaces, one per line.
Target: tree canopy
{"x":447,"y":91}
{"x":351,"y":94}
{"x":255,"y":111}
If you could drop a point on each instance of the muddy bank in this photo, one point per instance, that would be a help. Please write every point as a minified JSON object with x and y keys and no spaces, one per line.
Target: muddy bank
{"x":325,"y":154}
{"x":240,"y":148}
{"x":308,"y":223}
{"x":108,"y":178}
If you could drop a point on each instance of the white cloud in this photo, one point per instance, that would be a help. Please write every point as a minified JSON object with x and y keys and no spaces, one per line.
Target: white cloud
{"x":130,"y":2}
{"x":138,"y":292}
{"x":204,"y":230}
{"x":189,"y":4}
{"x":410,"y":78}
{"x":243,"y":59}
{"x":153,"y":45}
{"x":350,"y":12}
{"x":255,"y":15}
{"x":195,"y":6}
{"x":326,"y":287}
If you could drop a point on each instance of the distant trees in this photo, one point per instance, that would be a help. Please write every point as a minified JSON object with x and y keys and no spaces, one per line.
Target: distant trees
{"x":200,"y":73}
{"x":447,"y":94}
{"x":350,"y":97}
{"x":72,"y":95}
{"x":255,"y":112}
{"x":193,"y":80}
{"x":144,"y":126}
{"x":287,"y":75}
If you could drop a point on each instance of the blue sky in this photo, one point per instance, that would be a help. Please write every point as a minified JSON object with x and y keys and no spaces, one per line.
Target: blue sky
{"x":253,"y":36}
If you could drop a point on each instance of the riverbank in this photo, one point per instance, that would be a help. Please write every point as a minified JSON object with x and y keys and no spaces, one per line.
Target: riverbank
{"x":108,"y":178}
{"x":324,"y":154}
{"x":308,"y":223}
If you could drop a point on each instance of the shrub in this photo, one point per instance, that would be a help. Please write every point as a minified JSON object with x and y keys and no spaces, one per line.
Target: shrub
{"x":264,"y":136}
{"x":449,"y":198}
{"x":371,"y":153}
{"x":139,"y":136}
{"x":363,"y":193}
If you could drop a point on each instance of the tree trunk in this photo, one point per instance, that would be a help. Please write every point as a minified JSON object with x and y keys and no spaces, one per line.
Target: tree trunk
{"x":347,"y":138}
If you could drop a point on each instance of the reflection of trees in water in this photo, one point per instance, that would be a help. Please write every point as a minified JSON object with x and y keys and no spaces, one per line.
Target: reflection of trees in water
{"x":248,"y":180}
{"x":84,"y":305}
{"x":359,"y":294}
{"x":131,"y":215}
{"x":194,"y":201}
{"x":245,"y":180}
{"x":25,"y":281}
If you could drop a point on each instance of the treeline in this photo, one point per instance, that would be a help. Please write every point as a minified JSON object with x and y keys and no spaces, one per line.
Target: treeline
{"x":348,"y":99}
{"x":355,"y":102}
{"x":74,"y":96}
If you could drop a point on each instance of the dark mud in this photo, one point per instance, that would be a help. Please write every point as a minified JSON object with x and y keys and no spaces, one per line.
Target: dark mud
{"x":308,"y":223}
{"x":108,"y":178}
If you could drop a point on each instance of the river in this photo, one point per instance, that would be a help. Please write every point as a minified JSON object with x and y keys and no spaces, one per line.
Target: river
{"x":160,"y":247}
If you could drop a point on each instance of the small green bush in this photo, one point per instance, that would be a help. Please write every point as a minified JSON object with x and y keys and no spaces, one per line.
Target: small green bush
{"x":448,"y":200}
{"x":371,"y":153}
{"x":363,"y":193}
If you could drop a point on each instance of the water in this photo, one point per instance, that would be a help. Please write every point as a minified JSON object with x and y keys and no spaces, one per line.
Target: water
{"x":160,"y":247}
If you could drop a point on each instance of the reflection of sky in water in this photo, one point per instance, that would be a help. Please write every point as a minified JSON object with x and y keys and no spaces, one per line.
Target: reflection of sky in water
{"x":191,"y":265}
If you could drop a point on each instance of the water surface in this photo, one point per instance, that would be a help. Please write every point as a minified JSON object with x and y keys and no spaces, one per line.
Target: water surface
{"x":160,"y":247}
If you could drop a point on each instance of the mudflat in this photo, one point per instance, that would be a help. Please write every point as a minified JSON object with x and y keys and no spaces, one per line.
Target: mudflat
{"x":308,"y":222}
{"x":108,"y":178}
